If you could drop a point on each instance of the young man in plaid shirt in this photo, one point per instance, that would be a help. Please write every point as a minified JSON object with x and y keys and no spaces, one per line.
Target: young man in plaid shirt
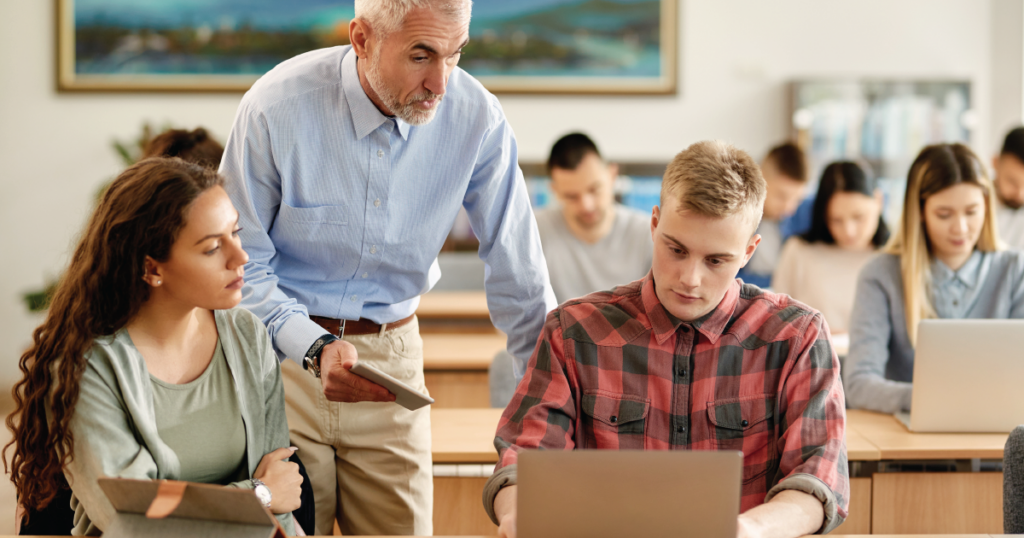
{"x":689,"y":359}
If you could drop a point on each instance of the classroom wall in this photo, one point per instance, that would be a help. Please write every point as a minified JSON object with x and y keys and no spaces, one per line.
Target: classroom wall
{"x":736,"y":57}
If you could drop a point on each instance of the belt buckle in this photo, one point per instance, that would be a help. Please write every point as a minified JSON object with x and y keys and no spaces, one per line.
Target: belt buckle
{"x":341,"y":329}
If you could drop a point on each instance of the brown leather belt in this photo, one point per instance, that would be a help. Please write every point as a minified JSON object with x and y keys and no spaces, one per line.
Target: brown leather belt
{"x":355,"y":327}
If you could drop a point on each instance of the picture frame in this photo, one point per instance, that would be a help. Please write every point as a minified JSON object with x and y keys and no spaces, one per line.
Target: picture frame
{"x":525,"y":47}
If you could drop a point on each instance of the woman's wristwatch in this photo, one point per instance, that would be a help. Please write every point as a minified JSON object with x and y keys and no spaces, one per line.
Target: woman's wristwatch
{"x":262,"y":492}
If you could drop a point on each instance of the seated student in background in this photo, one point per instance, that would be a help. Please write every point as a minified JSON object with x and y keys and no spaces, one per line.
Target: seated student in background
{"x":590,"y":242}
{"x":195,"y":146}
{"x":1009,"y":182}
{"x":785,"y":173}
{"x":714,"y":365}
{"x":944,"y":262}
{"x":144,"y":368}
{"x":820,"y":266}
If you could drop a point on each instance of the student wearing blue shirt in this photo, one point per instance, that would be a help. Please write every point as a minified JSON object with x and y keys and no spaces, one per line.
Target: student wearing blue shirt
{"x":786,"y":213}
{"x":348,"y":166}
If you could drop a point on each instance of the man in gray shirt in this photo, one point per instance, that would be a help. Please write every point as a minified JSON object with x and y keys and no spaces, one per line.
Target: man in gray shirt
{"x":590,"y":242}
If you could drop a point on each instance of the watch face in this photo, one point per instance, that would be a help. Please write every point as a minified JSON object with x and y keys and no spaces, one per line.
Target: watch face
{"x":263,"y":494}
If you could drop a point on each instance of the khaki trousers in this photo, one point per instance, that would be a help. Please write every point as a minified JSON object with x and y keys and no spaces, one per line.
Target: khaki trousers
{"x":369,"y":463}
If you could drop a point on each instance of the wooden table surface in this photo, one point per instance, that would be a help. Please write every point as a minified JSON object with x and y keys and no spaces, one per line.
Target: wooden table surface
{"x":464,"y":435}
{"x":895,"y":442}
{"x":461,"y":351}
{"x":467,"y":436}
{"x":453,"y":305}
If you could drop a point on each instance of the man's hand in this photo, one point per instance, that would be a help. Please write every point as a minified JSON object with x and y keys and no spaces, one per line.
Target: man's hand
{"x":341,"y":385}
{"x":505,"y":510}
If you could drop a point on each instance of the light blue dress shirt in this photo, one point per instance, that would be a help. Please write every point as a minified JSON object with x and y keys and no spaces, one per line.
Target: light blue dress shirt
{"x":344,"y":210}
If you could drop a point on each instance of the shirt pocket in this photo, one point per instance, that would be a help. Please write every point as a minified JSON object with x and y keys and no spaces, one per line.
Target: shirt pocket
{"x":746,"y":424}
{"x":315,"y":243}
{"x":614,"y":421}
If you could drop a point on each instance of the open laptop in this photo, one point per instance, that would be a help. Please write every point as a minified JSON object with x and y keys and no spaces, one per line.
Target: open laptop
{"x":611,"y":494}
{"x":967,"y":376}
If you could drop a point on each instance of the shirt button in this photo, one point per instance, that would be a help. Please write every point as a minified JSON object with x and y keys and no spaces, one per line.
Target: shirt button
{"x":681,"y":429}
{"x":956,"y":303}
{"x":355,"y":298}
{"x":380,"y":153}
{"x":614,"y":419}
{"x":682,"y":372}
{"x":376,"y":203}
{"x":686,"y":329}
{"x":373,"y":249}
{"x":744,"y":424}
{"x":366,"y":275}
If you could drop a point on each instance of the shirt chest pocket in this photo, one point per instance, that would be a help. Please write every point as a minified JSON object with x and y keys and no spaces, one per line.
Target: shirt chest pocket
{"x":316,"y":242}
{"x":613,"y":421}
{"x":746,"y":424}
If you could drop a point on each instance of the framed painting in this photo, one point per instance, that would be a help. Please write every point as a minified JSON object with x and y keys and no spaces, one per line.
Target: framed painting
{"x":526,"y":46}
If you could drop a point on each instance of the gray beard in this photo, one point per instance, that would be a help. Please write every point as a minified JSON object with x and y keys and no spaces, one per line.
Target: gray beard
{"x":407,"y":112}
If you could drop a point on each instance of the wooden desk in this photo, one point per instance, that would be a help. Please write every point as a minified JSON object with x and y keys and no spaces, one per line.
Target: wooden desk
{"x":454,"y":311}
{"x":453,"y":305}
{"x":920,"y":502}
{"x":895,"y":442}
{"x":455,"y":367}
{"x":464,"y":435}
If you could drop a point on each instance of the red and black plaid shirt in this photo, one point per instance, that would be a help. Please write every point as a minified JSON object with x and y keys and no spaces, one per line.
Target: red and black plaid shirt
{"x":613,"y":370}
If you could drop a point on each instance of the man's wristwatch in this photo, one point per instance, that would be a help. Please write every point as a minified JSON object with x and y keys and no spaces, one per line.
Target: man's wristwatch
{"x":262,"y":492}
{"x":312,"y":358}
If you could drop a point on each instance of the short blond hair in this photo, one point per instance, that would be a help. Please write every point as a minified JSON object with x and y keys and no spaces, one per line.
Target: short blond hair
{"x":715,"y":179}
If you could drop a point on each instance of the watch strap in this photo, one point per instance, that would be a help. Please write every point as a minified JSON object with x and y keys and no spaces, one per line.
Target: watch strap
{"x":312,"y":359}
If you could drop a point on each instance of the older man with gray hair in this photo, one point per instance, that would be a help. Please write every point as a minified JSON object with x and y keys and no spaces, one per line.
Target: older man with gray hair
{"x":348,"y":166}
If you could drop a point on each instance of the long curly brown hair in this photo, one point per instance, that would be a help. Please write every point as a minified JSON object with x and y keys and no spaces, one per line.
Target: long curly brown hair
{"x":140,"y":215}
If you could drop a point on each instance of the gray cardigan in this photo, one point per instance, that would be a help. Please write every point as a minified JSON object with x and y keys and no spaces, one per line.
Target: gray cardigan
{"x":115,"y":428}
{"x":880,"y":365}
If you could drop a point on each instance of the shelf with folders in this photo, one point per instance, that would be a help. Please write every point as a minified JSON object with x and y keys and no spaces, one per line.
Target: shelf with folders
{"x":880,"y":123}
{"x":638,"y":186}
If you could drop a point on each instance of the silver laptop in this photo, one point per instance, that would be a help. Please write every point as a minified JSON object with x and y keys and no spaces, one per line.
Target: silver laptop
{"x":967,"y":376}
{"x":611,"y":494}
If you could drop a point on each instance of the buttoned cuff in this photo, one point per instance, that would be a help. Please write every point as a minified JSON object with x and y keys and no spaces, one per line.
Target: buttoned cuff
{"x":504,"y":477}
{"x":296,"y":335}
{"x":812,"y":485}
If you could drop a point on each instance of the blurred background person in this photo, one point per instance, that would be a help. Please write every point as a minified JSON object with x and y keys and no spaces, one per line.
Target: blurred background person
{"x":820,"y":266}
{"x":785,"y":172}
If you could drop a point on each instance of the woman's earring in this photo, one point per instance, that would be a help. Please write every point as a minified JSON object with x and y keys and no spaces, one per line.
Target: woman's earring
{"x":158,"y":282}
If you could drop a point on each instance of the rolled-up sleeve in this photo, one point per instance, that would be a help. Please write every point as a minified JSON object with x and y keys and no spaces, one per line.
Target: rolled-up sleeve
{"x":812,"y":432}
{"x":516,"y":277}
{"x":542,"y":413}
{"x":254,"y":185}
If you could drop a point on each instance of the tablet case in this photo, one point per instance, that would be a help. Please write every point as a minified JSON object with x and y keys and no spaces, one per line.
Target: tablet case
{"x":166,"y":508}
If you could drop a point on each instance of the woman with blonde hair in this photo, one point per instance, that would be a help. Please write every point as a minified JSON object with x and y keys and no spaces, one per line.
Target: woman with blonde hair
{"x":945,"y":261}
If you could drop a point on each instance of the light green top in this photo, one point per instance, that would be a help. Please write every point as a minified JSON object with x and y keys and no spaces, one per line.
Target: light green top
{"x":115,"y":423}
{"x":202,"y":423}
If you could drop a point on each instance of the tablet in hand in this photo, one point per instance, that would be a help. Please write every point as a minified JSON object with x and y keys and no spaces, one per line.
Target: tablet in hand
{"x":405,"y":395}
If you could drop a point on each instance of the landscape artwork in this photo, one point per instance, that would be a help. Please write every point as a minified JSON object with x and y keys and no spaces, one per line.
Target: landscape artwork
{"x":525,"y":46}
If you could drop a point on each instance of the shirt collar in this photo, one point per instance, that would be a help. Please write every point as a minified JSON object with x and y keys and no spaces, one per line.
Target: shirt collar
{"x":366,"y":118}
{"x":664,"y":324}
{"x":942,"y":275}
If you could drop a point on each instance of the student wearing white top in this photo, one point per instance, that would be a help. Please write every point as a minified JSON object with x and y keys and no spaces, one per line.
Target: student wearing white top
{"x":945,"y":261}
{"x":820,"y":267}
{"x":1009,"y":182}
